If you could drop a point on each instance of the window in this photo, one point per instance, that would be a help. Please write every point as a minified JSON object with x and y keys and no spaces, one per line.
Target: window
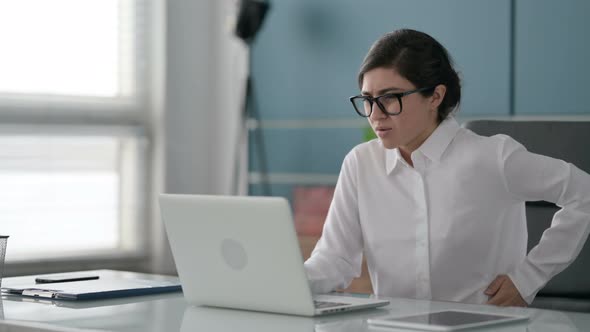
{"x":75,"y":76}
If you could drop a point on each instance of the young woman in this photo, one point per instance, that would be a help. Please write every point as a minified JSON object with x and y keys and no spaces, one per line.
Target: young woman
{"x":437,"y":210}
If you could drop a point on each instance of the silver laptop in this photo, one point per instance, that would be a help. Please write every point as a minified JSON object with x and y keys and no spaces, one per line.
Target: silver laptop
{"x":242,"y":252}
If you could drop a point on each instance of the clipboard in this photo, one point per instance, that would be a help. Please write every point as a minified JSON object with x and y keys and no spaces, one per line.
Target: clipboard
{"x":103,"y":288}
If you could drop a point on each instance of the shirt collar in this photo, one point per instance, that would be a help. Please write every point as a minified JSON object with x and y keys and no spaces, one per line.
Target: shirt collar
{"x":432,"y":148}
{"x":392,"y":158}
{"x":436,"y":144}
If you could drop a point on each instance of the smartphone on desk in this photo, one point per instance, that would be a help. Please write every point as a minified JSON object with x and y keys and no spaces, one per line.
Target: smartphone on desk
{"x":64,"y":278}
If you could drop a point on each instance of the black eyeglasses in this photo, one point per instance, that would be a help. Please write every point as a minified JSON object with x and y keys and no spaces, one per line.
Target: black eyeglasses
{"x":389,"y":103}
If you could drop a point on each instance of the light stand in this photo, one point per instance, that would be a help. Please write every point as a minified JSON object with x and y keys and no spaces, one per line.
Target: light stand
{"x":250,"y":17}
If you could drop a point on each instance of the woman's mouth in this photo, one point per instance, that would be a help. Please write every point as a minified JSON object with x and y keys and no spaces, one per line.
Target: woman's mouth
{"x":382,"y":131}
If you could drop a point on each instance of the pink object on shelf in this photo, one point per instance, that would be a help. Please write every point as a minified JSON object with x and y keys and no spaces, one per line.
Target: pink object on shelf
{"x":310,"y":206}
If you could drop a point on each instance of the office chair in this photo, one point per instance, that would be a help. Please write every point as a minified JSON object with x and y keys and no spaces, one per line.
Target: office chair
{"x":566,"y":140}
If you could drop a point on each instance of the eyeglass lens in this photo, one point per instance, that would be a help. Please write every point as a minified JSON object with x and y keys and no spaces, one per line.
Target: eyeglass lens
{"x":388,"y":103}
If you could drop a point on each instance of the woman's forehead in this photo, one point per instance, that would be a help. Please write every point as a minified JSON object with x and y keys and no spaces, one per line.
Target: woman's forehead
{"x":381,"y":79}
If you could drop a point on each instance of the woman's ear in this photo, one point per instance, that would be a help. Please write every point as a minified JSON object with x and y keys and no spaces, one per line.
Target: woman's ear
{"x":438,"y":96}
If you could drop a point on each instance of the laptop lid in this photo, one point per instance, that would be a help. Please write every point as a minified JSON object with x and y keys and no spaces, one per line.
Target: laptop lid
{"x":242,"y":252}
{"x":237,"y":252}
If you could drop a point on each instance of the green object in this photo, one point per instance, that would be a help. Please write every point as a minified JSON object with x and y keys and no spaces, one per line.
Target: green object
{"x":368,"y":133}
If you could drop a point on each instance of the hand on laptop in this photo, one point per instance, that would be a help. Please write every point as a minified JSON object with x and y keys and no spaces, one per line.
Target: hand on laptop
{"x":503,"y":292}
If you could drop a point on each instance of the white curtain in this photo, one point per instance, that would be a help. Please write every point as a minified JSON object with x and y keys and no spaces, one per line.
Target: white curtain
{"x":205,"y":71}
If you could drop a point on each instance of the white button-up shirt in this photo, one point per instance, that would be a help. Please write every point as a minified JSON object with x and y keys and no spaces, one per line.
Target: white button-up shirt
{"x":445,"y":228}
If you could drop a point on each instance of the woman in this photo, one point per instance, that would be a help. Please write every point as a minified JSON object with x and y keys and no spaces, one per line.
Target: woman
{"x":437,"y":210}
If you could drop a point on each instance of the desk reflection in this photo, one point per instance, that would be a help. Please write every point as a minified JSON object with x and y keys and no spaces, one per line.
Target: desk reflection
{"x":546,"y":320}
{"x":218,"y":319}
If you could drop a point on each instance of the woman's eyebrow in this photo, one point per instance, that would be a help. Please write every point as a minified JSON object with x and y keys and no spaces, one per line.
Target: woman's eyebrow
{"x":382,"y":91}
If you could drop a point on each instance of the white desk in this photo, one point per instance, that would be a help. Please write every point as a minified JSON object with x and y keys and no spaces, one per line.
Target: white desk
{"x":169,"y":312}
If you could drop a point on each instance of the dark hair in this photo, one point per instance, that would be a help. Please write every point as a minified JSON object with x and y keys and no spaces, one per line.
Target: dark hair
{"x":421,"y":60}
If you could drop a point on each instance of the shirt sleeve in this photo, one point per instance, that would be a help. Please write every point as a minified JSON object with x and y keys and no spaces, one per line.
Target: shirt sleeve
{"x":532,"y":177}
{"x":336,"y":258}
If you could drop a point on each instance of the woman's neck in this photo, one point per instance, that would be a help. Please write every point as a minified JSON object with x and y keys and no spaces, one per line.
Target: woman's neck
{"x":407,"y":150}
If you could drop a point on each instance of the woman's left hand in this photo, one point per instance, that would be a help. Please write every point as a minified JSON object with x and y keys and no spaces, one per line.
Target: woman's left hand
{"x":503,"y":292}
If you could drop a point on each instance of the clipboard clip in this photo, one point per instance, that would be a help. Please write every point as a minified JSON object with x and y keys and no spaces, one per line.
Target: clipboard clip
{"x":35,"y":292}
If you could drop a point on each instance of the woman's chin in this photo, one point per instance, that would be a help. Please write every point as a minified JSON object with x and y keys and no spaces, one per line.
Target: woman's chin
{"x":388,"y":144}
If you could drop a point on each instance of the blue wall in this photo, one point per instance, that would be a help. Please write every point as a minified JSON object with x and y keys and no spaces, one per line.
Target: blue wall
{"x":306,"y":57}
{"x":552,"y":52}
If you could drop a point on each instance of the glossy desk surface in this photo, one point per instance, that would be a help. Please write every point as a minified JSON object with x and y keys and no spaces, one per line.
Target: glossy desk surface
{"x":170,"y":312}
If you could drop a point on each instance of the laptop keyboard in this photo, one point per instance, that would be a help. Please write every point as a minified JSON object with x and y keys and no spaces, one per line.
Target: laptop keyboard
{"x":323,"y":304}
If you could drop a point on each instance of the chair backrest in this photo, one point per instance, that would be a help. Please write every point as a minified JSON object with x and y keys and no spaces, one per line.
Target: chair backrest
{"x":566,"y":140}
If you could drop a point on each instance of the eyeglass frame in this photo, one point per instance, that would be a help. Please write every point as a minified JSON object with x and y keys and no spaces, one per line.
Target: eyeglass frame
{"x":372,"y":100}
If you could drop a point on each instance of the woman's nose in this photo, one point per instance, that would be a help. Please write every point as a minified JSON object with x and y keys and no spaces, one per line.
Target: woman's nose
{"x":376,"y":112}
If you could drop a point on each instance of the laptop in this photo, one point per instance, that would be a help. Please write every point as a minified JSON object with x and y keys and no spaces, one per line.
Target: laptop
{"x":242,"y":253}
